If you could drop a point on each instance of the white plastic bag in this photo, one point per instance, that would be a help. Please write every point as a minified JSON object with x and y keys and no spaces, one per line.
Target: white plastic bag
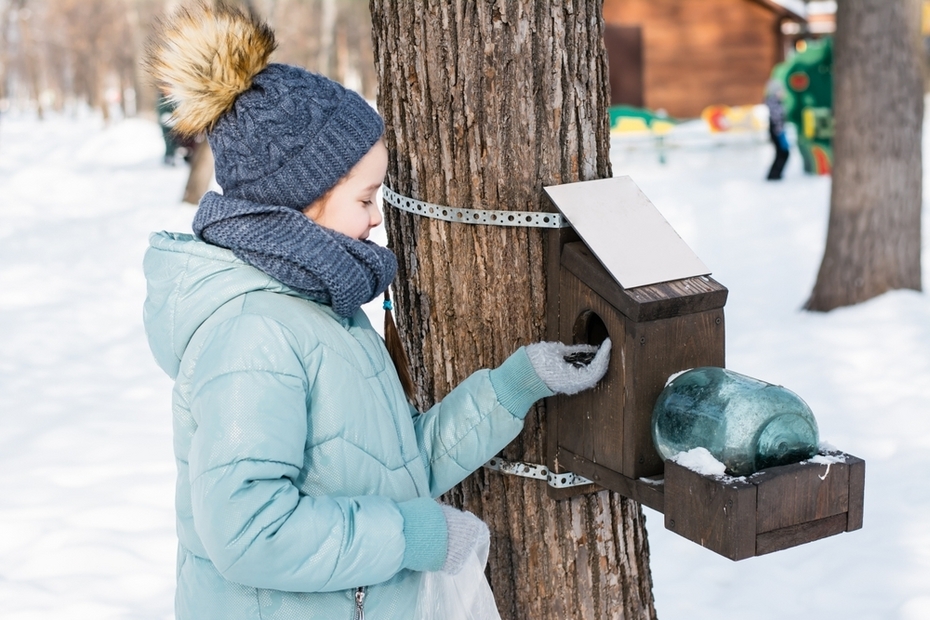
{"x":463,"y":596}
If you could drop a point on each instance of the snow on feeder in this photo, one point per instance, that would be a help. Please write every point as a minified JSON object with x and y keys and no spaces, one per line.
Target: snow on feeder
{"x":621,"y":271}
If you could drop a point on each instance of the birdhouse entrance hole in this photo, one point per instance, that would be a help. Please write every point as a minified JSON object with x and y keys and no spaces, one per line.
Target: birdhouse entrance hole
{"x":589,"y":329}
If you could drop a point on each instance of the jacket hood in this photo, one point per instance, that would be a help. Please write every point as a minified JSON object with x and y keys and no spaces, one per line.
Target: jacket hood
{"x":187,"y":281}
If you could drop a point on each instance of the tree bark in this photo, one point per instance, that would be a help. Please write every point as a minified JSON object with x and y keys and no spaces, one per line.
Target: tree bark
{"x":327,"y":26}
{"x":873,"y":240}
{"x":31,"y":55}
{"x":484,"y":104}
{"x":5,"y":9}
{"x":201,"y":174}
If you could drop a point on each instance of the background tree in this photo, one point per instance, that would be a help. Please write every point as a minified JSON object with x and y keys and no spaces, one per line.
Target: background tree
{"x":484,"y":104}
{"x":332,"y":37}
{"x":873,"y":240}
{"x":27,"y":39}
{"x":6,"y":9}
{"x":67,"y":53}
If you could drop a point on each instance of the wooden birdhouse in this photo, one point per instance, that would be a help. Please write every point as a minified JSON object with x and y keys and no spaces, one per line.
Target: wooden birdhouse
{"x":621,"y":271}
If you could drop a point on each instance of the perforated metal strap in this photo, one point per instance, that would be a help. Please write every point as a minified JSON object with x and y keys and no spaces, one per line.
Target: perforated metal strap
{"x":539,"y":472}
{"x":531,"y":219}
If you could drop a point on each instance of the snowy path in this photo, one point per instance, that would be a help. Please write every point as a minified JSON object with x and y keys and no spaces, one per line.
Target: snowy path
{"x":86,"y":523}
{"x":86,"y":520}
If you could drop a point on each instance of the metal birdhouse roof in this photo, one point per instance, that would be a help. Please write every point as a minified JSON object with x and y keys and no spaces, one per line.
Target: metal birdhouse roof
{"x":626,"y":232}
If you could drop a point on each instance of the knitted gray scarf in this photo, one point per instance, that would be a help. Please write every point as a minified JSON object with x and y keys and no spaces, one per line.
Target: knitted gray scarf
{"x":322,"y":264}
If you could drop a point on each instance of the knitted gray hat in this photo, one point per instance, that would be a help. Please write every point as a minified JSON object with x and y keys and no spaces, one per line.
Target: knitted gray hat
{"x":290,"y":137}
{"x":281,"y":138}
{"x":280,"y":135}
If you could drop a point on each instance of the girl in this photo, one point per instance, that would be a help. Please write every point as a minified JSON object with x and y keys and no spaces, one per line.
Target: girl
{"x":306,"y":482}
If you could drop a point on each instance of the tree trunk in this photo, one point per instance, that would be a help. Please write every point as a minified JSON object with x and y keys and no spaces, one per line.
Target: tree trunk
{"x":31,"y":57}
{"x":484,"y":104}
{"x":873,"y":241}
{"x":201,"y":175}
{"x":139,"y":16}
{"x":327,"y":26}
{"x":5,"y":9}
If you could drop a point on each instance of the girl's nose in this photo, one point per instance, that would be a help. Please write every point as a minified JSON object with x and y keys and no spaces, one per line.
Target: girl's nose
{"x":375,"y":216}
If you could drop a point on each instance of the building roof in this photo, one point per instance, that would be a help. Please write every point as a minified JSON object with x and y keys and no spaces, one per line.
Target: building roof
{"x":779,"y":8}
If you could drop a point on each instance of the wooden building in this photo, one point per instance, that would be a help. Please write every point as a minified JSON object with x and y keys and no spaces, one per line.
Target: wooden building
{"x":684,"y":55}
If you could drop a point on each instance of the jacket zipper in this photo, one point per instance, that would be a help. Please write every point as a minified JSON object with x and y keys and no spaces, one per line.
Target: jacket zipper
{"x":360,"y":604}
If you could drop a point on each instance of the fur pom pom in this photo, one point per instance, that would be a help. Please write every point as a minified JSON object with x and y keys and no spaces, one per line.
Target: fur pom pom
{"x":203,"y":57}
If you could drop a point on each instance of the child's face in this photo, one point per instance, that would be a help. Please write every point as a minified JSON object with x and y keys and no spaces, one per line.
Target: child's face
{"x":350,"y":207}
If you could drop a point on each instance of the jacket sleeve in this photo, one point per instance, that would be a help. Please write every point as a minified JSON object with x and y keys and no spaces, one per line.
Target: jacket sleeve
{"x":249,"y":400}
{"x":476,"y":420}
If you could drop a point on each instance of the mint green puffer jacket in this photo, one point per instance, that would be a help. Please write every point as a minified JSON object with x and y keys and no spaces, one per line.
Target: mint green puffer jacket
{"x":303,"y":473}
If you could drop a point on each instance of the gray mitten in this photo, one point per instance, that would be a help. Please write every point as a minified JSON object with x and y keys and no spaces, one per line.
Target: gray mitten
{"x":465,"y":530}
{"x":564,"y":368}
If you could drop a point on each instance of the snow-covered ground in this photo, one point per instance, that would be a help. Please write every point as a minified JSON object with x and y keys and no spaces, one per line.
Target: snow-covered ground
{"x":86,"y":515}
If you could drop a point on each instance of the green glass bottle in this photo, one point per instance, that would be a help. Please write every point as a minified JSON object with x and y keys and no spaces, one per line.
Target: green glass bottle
{"x":745,"y":423}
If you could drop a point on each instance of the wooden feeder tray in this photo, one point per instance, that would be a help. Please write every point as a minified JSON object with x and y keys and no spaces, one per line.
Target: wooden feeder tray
{"x":771,"y":510}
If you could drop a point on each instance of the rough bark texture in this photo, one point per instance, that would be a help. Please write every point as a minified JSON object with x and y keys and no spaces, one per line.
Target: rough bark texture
{"x":873,"y":242}
{"x":201,"y":174}
{"x":485,"y":103}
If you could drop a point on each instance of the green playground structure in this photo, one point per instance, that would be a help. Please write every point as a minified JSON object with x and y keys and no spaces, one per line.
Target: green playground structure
{"x":808,"y":80}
